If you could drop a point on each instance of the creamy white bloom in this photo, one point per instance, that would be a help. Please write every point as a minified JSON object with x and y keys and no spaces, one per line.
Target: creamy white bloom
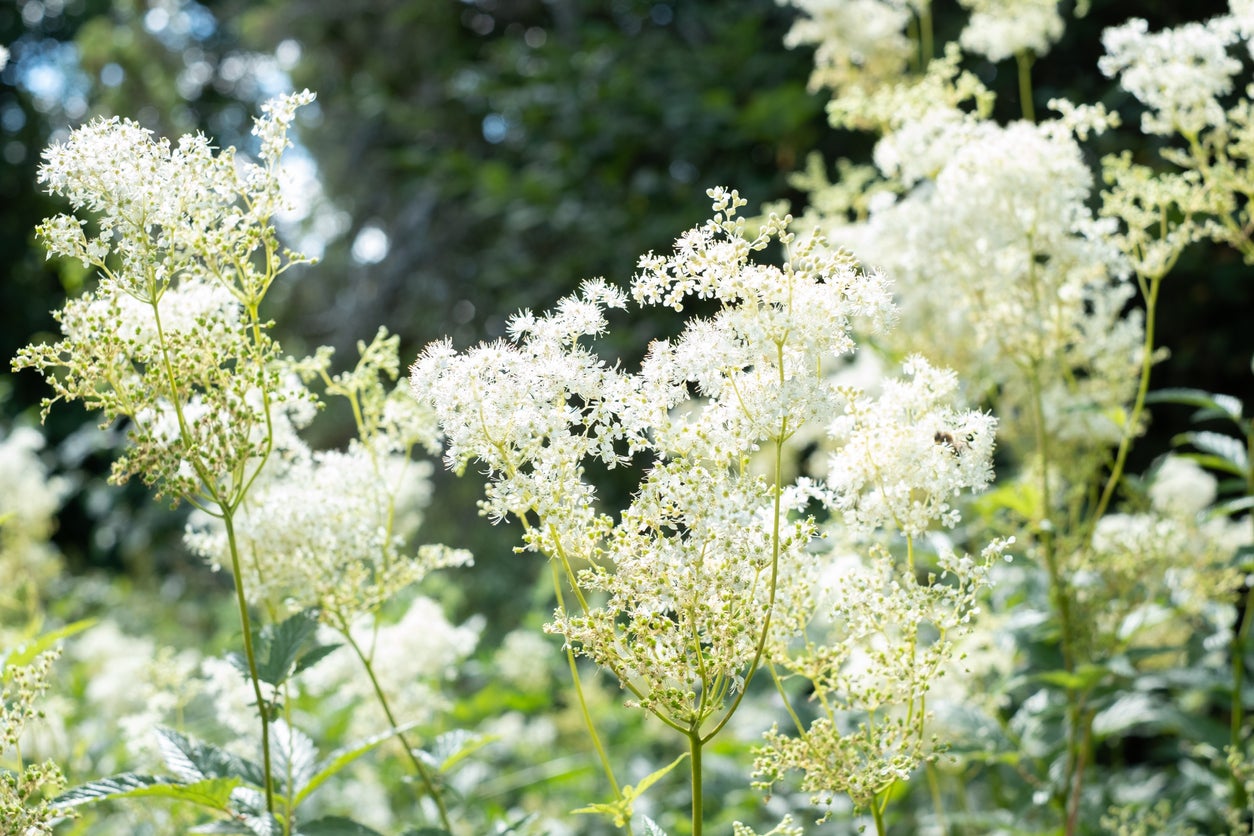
{"x":999,"y":29}
{"x":712,"y":562}
{"x":1181,"y":487}
{"x":901,"y":458}
{"x":854,"y":40}
{"x":1178,"y":74}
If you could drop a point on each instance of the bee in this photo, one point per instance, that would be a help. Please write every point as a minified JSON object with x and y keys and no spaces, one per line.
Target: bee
{"x":958,"y":444}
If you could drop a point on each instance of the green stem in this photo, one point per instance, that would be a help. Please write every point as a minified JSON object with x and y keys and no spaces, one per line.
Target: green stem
{"x":1138,"y":407}
{"x":422,"y":770}
{"x":877,"y":812}
{"x":933,"y":785}
{"x":1240,"y":799}
{"x":602,"y":755}
{"x":228,"y":520}
{"x":1024,"y":59}
{"x":926,"y":47}
{"x":695,"y":743}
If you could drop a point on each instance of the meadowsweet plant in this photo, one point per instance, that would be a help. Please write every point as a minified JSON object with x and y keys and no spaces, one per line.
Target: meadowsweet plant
{"x":26,"y":789}
{"x":709,"y":574}
{"x":1006,"y":272}
{"x":172,"y":342}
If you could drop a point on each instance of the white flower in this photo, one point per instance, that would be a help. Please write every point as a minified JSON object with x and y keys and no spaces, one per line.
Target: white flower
{"x":1178,"y":74}
{"x":901,"y":458}
{"x":853,"y":39}
{"x":1181,"y":487}
{"x":999,"y":29}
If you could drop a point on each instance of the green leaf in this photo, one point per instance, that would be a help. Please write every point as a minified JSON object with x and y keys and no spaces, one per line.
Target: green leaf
{"x":26,"y":653}
{"x":279,"y":646}
{"x":294,"y":755}
{"x":451,"y":748}
{"x":619,"y":811}
{"x":214,"y":793}
{"x":1216,"y":405}
{"x":116,"y":786}
{"x":342,"y":757}
{"x":313,"y":656}
{"x":1232,"y":507}
{"x":1229,"y":450}
{"x":336,"y":826}
{"x":194,"y":760}
{"x":1083,"y":678}
{"x":1126,"y":713}
{"x":651,"y":828}
{"x":1022,"y":499}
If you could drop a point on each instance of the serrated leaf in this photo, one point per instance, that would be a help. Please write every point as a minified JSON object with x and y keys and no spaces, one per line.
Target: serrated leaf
{"x":279,"y":646}
{"x":221,"y":827}
{"x":115,"y":786}
{"x":451,"y":748}
{"x":336,"y":826}
{"x":293,"y":754}
{"x":313,"y":656}
{"x":651,"y":827}
{"x":620,"y":810}
{"x":1127,"y":712}
{"x":342,"y":757}
{"x":26,"y":653}
{"x":1229,"y":449}
{"x":214,"y":793}
{"x":263,"y":825}
{"x":194,"y":760}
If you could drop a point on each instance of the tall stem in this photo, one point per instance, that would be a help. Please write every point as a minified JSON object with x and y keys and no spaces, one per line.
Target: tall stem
{"x":422,"y":770}
{"x":1024,"y":60}
{"x":228,"y":521}
{"x":1240,"y":799}
{"x":602,"y":755}
{"x":1150,"y":291}
{"x":695,"y":743}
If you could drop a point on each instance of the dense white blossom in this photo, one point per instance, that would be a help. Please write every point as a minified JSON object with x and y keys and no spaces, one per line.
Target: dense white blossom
{"x":711,"y":569}
{"x":1002,"y":269}
{"x":171,"y":338}
{"x":903,"y":457}
{"x":999,"y":29}
{"x":854,"y":40}
{"x":1179,"y":74}
{"x":1181,"y":487}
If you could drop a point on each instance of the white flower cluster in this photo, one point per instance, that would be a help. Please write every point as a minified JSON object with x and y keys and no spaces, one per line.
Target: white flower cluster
{"x":1178,"y":74}
{"x":1034,"y":295}
{"x":171,"y":337}
{"x":853,"y":39}
{"x":334,"y":529}
{"x":1000,"y":29}
{"x":888,"y":639}
{"x":679,"y":593}
{"x":882,"y":445}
